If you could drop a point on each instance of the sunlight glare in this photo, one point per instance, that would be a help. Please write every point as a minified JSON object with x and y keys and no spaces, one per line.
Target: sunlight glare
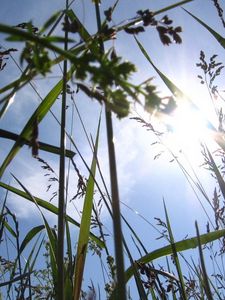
{"x":188,"y":128}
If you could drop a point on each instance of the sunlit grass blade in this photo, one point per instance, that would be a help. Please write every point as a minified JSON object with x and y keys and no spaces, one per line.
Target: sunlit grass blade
{"x":216,"y":35}
{"x":85,"y":225}
{"x":42,"y":146}
{"x":48,"y":206}
{"x":6,"y":104}
{"x":180,"y":96}
{"x":175,"y":256}
{"x":37,"y":116}
{"x":206,"y":284}
{"x":171,"y":86}
{"x":180,"y":246}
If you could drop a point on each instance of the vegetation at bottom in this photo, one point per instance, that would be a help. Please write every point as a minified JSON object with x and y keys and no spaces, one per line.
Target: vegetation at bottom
{"x":49,"y":261}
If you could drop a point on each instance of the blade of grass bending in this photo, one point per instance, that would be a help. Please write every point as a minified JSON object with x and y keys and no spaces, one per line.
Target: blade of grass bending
{"x":206,"y":285}
{"x":38,"y":115}
{"x":180,"y":246}
{"x":42,"y":146}
{"x":216,"y":35}
{"x":50,"y":207}
{"x":137,"y":276}
{"x":175,"y":256}
{"x":52,"y":238}
{"x":29,"y":236}
{"x":85,"y":225}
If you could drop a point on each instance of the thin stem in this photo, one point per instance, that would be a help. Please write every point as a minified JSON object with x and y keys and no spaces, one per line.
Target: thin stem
{"x":61,"y":199}
{"x":118,"y":237}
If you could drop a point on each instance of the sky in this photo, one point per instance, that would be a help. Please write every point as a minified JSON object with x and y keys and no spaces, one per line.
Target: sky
{"x":144,"y":179}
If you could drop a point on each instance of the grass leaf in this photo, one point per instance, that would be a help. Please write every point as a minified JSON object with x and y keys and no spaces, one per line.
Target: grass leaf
{"x":205,"y":285}
{"x":85,"y":224}
{"x":37,"y":116}
{"x":180,"y":246}
{"x":216,"y":35}
{"x":175,"y":256}
{"x":30,"y":235}
{"x":46,"y":205}
{"x":51,"y":236}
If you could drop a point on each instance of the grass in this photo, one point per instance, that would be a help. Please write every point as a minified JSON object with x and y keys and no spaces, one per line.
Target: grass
{"x":102,"y":75}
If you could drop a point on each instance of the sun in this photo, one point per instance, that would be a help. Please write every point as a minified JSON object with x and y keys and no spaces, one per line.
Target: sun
{"x":187,"y":129}
{"x":189,"y":124}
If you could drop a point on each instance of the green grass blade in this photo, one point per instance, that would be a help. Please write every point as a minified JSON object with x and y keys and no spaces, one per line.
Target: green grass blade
{"x":51,"y":21}
{"x":9,"y":228}
{"x":69,"y":269}
{"x":51,"y":236}
{"x":29,"y":236}
{"x":180,"y":96}
{"x":172,"y":6}
{"x":217,"y":173}
{"x":175,"y":256}
{"x":42,"y":146}
{"x":216,"y":35}
{"x":84,"y":34}
{"x":50,"y":207}
{"x":171,"y":86}
{"x":37,"y":116}
{"x":85,"y":224}
{"x":29,"y":267}
{"x":180,"y":246}
{"x":206,"y":285}
{"x":162,"y":10}
{"x":137,"y":277}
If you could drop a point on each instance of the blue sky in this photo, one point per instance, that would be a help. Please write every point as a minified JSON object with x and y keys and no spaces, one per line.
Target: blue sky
{"x":143,"y":181}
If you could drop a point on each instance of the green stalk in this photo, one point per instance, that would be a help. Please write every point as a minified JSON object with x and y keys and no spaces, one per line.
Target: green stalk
{"x":206,"y":285}
{"x":181,"y":284}
{"x":61,"y":199}
{"x":118,"y":237}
